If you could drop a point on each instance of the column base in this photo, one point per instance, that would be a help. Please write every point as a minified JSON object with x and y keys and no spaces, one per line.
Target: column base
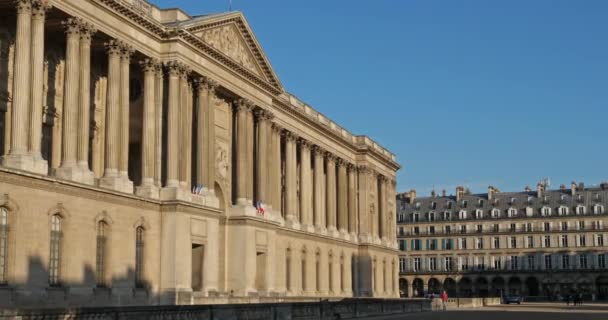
{"x":175,"y":193}
{"x":117,"y":183}
{"x":207,"y":199}
{"x":25,"y":162}
{"x":76,"y":173}
{"x":40,"y":166}
{"x":240,"y":210}
{"x":344,"y":234}
{"x":321,"y":230}
{"x":333,"y":232}
{"x":353,"y":237}
{"x":292,"y":222}
{"x":308,"y":228}
{"x":148,"y":191}
{"x":366,"y":238}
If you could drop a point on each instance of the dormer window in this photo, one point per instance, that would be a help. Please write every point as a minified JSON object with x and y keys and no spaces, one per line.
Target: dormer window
{"x":433,"y":205}
{"x":431,"y":216}
{"x":480,"y":203}
{"x":562,"y":198}
{"x":580,"y":198}
{"x":417,"y":205}
{"x":496,"y":202}
{"x":529,"y":211}
{"x":513,"y":200}
{"x":462,"y":215}
{"x":596,"y":197}
{"x":545,"y":211}
{"x":562,"y":211}
{"x":546,"y":199}
{"x":512,"y":212}
{"x":495,"y":213}
{"x":478,"y":214}
{"x":464,"y":203}
{"x":447,"y":216}
{"x":530,"y":199}
{"x":448,"y":204}
{"x":598,"y":209}
{"x":415,"y":217}
{"x":580,"y":209}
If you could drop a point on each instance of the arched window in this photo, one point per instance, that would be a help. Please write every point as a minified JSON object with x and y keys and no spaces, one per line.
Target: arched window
{"x":331,"y":272}
{"x":102,"y":229}
{"x":288,"y":269}
{"x":3,"y":245}
{"x":304,"y":278}
{"x":562,"y":211}
{"x":431,"y":216}
{"x":512,"y":212}
{"x":580,"y":209}
{"x":342,"y":282}
{"x":495,"y":213}
{"x":545,"y":211}
{"x":55,"y":253}
{"x":598,"y":209}
{"x":318,"y":271}
{"x":139,"y":257}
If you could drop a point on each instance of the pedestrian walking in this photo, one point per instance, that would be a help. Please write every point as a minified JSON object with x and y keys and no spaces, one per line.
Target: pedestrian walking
{"x":444,"y":300}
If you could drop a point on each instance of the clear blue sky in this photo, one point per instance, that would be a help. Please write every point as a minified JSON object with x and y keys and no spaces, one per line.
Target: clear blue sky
{"x":468,"y":92}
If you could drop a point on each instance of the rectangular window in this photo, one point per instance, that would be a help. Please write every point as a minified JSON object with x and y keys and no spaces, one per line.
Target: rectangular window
{"x":464,"y":263}
{"x":433,"y":244}
{"x":481,"y":263}
{"x":417,"y":264}
{"x":564,"y":241}
{"x":531,"y":264}
{"x":479,"y":243}
{"x":530,"y":242}
{"x":463,"y":229}
{"x":416,"y":230}
{"x":601,"y":261}
{"x":463,"y":243}
{"x":479,"y":228}
{"x":101,"y":254}
{"x":139,"y":257}
{"x":565,"y":262}
{"x":416,"y":244}
{"x":581,"y":225}
{"x":3,"y":244}
{"x":513,"y":242}
{"x":402,"y":265}
{"x":402,"y":245}
{"x":547,"y":226}
{"x":548,"y":262}
{"x":564,"y":226}
{"x":433,"y":264}
{"x":513,"y":228}
{"x":582,"y":241}
{"x":600,"y":240}
{"x":496,"y":243}
{"x":514,"y":263}
{"x":496,"y":228}
{"x":432,"y":229}
{"x":448,"y":263}
{"x":497,"y":263}
{"x":528,"y":227}
{"x":448,"y":229}
{"x":547,"y":241}
{"x":582,"y":261}
{"x":55,"y":254}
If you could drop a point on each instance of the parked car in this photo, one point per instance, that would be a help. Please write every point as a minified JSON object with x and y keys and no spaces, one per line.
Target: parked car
{"x":513,"y":299}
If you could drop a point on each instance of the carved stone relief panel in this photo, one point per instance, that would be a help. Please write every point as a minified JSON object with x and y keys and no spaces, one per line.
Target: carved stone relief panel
{"x":229,"y":41}
{"x":223,"y":135}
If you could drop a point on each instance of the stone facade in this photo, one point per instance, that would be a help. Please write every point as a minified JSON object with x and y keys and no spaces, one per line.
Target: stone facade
{"x":541,"y":243}
{"x":140,"y":144}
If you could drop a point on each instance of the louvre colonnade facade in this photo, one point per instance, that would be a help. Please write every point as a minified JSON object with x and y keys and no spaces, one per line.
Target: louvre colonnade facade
{"x":138,"y":148}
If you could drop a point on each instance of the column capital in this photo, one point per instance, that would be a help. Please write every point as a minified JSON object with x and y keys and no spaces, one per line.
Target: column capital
{"x":317,"y":151}
{"x":289,"y":136}
{"x":173,"y":67}
{"x":23,"y":5}
{"x":304,"y":143}
{"x":263,"y":114}
{"x":87,"y":30}
{"x":72,"y":26}
{"x":149,"y":65}
{"x":276,"y":127}
{"x":114,"y":46}
{"x":185,"y":71}
{"x":381,"y":177}
{"x":206,"y":83}
{"x":341,"y":162}
{"x":243,"y":105}
{"x":352,"y":167}
{"x":330,"y":156}
{"x":39,"y":8}
{"x":126,"y":51}
{"x":364,"y":169}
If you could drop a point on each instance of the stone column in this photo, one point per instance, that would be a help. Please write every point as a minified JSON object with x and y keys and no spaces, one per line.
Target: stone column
{"x":206,"y":136}
{"x":331,"y":194}
{"x":276,"y":183}
{"x":261,"y":168}
{"x":183,"y":129}
{"x":187,"y":133}
{"x":364,"y":205}
{"x":353,"y":212}
{"x":84,"y":106}
{"x":123,"y":165}
{"x":306,"y":189}
{"x":173,"y":148}
{"x":18,"y":156}
{"x":290,"y":179}
{"x":148,"y":188}
{"x":158,"y":106}
{"x":241,"y":109}
{"x":39,"y":9}
{"x":342,"y":197}
{"x":69,"y":169}
{"x":250,"y":140}
{"x":319,"y":182}
{"x":382,"y":225}
{"x":111,"y":176}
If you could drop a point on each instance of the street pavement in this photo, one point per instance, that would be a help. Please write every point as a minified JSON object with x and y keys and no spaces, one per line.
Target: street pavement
{"x":525,"y":311}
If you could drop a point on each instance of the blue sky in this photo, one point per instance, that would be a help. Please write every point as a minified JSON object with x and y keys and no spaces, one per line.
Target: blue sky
{"x":468,"y":92}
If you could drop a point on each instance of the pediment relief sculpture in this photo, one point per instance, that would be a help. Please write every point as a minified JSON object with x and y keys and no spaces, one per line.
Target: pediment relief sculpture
{"x":228,"y":40}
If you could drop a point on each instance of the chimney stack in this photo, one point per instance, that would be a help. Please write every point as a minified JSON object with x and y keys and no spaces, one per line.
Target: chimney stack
{"x":459,"y":193}
{"x":433,"y":193}
{"x":491,"y":192}
{"x":540,"y":189}
{"x":412,"y":196}
{"x":573,"y":189}
{"x":527,"y":189}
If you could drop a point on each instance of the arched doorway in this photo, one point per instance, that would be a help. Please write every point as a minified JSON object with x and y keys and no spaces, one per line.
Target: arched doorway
{"x":403,"y":292}
{"x":435,"y":286}
{"x":497,"y":287}
{"x":514,"y":285}
{"x":532,"y":286}
{"x":602,"y":287}
{"x":481,"y":287}
{"x":418,"y":287}
{"x":465,"y":287}
{"x":449,"y":285}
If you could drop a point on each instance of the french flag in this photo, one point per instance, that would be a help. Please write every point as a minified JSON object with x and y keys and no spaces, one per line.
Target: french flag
{"x":260,"y":207}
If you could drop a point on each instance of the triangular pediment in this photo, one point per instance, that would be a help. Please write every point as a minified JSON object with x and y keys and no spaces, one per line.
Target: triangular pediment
{"x":230,"y":35}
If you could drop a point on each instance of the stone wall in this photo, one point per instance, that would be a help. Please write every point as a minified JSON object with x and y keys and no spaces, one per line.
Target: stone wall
{"x":344,"y":309}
